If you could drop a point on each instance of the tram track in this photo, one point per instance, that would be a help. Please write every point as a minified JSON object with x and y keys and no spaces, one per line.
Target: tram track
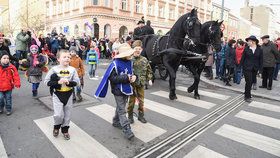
{"x":177,"y":140}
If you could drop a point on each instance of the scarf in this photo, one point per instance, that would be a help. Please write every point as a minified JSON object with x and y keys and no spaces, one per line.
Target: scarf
{"x":35,"y":59}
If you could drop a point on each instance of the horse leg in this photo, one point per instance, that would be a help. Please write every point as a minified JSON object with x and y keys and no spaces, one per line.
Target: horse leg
{"x":199,"y":71}
{"x":192,"y":70}
{"x":172,"y":78}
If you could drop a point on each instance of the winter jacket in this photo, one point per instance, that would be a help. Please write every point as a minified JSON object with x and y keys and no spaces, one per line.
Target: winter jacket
{"x":9,"y":78}
{"x":230,"y":57}
{"x":142,"y":70}
{"x":92,"y":57}
{"x":252,"y":61}
{"x":77,"y":63}
{"x":116,"y":79}
{"x":238,"y":54}
{"x":35,"y":70}
{"x":22,"y":41}
{"x":270,"y":54}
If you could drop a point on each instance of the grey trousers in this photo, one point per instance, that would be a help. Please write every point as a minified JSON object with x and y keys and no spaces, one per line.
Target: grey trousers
{"x":62,"y":113}
{"x":120,"y":114}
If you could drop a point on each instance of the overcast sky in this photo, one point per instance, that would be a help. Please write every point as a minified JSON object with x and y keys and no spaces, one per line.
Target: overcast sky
{"x":235,"y":5}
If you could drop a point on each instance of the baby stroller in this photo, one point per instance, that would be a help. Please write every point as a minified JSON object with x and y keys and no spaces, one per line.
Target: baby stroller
{"x":51,"y":57}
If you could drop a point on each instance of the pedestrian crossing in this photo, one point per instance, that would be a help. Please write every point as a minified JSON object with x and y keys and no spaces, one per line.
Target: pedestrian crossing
{"x":3,"y":153}
{"x":82,"y":144}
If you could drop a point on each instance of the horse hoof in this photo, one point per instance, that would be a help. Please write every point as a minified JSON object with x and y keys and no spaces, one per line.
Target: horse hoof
{"x":197,"y":97}
{"x":172,"y":97}
{"x":190,"y":90}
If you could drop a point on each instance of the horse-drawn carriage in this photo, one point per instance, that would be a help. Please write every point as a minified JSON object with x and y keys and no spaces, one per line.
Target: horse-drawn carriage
{"x":187,"y":44}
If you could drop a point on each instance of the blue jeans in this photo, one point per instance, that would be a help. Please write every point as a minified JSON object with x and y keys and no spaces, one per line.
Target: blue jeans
{"x":222,"y":68}
{"x":21,"y":54}
{"x":217,"y":63}
{"x":92,"y":68}
{"x":276,"y":71}
{"x":35,"y":86}
{"x":237,"y":74}
{"x":6,"y":99}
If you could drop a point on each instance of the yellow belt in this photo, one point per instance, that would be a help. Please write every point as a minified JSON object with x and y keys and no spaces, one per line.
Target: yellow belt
{"x":64,"y":89}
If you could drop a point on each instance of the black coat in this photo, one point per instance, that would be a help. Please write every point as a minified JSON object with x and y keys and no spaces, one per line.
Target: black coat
{"x":252,"y":61}
{"x":230,"y":57}
{"x":148,"y":30}
{"x":116,"y":79}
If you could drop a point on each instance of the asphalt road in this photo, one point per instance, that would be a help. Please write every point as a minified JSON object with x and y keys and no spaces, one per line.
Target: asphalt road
{"x":220,"y":125}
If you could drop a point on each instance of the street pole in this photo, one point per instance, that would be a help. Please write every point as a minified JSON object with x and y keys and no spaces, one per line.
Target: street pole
{"x":223,"y":6}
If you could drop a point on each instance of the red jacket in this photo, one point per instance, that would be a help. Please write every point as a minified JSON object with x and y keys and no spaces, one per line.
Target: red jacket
{"x":9,"y":78}
{"x":238,"y":54}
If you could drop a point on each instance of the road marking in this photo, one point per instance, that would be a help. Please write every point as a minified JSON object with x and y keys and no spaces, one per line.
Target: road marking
{"x":202,"y":152}
{"x":169,"y":111}
{"x":206,"y":93}
{"x":265,"y":106}
{"x":255,"y":140}
{"x":264,"y":120}
{"x":80,"y":144}
{"x":187,"y":100}
{"x":3,"y":153}
{"x":145,"y":132}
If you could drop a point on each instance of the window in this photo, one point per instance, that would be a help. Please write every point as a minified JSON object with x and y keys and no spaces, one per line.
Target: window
{"x":94,"y":2}
{"x":138,"y":7}
{"x":107,"y":3}
{"x":171,"y":14}
{"x":76,"y":4}
{"x":67,"y":5}
{"x":150,"y":9}
{"x":161,"y":12}
{"x":54,"y":9}
{"x":60,"y":7}
{"x":124,"y":4}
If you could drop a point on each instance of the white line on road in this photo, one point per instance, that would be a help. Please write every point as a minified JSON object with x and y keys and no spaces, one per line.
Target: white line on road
{"x":265,"y":106}
{"x":205,"y":93}
{"x":169,"y":111}
{"x":202,"y":152}
{"x":264,"y":120}
{"x":145,"y":132}
{"x":3,"y":153}
{"x":80,"y":144}
{"x":255,"y":140}
{"x":187,"y":100}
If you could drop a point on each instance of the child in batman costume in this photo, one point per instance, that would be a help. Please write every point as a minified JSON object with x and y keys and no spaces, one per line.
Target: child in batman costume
{"x":62,"y":79}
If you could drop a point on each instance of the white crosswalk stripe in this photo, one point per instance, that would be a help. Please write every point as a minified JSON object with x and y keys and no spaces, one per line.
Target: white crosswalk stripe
{"x":264,"y":120}
{"x":206,"y":93}
{"x":168,"y":111}
{"x":145,"y":132}
{"x":187,"y":100}
{"x":202,"y":152}
{"x":265,"y":106}
{"x":249,"y":138}
{"x":80,"y":144}
{"x":3,"y":153}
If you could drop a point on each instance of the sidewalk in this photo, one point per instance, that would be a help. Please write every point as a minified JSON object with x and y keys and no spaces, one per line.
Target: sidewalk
{"x":273,"y":94}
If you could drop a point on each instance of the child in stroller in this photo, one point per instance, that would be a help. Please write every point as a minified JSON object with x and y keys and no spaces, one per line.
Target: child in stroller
{"x":51,"y":56}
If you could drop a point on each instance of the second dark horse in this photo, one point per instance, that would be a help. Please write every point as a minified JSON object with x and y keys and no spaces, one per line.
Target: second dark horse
{"x":162,"y":49}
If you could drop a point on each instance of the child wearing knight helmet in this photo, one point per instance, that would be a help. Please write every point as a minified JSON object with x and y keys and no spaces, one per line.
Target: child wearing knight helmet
{"x":9,"y":78}
{"x":64,"y":82}
{"x":120,"y":75}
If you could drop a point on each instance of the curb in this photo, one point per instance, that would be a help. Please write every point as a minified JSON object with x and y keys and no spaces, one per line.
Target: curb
{"x":205,"y":80}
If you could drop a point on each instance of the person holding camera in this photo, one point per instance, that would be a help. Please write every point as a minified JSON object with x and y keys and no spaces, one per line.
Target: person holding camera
{"x":22,"y":40}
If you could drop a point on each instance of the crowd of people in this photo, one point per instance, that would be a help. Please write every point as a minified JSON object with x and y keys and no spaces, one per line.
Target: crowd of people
{"x":238,"y":59}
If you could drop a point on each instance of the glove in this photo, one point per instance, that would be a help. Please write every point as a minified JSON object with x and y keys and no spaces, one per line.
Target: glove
{"x":150,"y":82}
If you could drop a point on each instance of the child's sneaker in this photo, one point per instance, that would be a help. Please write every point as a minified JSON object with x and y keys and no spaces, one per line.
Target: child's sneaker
{"x":55,"y":132}
{"x":66,"y":136}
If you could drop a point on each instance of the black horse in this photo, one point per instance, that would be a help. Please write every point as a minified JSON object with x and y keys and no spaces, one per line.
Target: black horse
{"x":166,"y":49}
{"x":210,"y":39}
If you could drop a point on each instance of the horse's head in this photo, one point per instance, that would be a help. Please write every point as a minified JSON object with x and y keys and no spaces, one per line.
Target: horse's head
{"x":211,"y":34}
{"x":192,"y":26}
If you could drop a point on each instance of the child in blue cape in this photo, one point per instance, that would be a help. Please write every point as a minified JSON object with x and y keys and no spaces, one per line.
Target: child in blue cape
{"x":120,"y":75}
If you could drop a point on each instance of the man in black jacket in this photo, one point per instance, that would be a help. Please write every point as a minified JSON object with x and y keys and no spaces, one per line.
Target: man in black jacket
{"x":251,"y":62}
{"x":270,"y":55}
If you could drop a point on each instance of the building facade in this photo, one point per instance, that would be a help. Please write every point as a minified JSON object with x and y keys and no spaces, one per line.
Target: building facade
{"x":247,"y":28}
{"x":116,"y":18}
{"x":263,"y":16}
{"x":232,"y":27}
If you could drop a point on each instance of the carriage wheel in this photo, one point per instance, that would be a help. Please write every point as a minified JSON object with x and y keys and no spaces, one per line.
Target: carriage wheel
{"x":163,"y":73}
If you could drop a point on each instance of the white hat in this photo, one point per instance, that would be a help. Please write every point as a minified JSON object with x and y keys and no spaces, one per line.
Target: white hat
{"x":124,"y":50}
